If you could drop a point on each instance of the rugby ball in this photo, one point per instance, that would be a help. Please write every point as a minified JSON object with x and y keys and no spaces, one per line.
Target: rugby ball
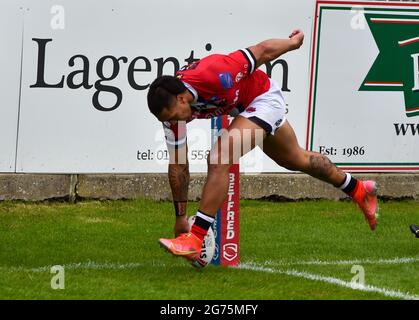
{"x":208,"y":248}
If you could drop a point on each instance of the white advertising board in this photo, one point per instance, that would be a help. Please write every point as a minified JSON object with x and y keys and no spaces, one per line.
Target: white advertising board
{"x":78,"y":78}
{"x":11,"y":30}
{"x":87,"y":66}
{"x":364,"y":93}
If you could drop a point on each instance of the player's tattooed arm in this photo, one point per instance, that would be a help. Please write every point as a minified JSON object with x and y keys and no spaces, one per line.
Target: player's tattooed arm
{"x":179,"y":179}
{"x":269,"y":50}
{"x":179,"y":183}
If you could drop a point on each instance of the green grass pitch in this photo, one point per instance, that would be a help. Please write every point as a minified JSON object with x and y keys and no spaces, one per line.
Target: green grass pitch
{"x":289,"y":250}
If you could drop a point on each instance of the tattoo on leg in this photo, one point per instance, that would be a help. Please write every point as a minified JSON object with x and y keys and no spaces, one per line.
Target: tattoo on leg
{"x":321,"y":167}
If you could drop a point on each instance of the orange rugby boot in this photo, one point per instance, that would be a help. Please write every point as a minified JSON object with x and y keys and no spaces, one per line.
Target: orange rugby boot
{"x":366,"y":198}
{"x":187,"y":245}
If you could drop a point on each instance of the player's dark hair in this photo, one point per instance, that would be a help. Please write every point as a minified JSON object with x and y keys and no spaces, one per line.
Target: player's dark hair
{"x":162,"y":92}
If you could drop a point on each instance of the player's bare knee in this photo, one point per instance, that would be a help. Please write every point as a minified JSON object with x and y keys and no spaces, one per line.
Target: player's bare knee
{"x":292,"y":165}
{"x":218,"y":162}
{"x":295,"y":161}
{"x":219,"y":157}
{"x":218,"y":169}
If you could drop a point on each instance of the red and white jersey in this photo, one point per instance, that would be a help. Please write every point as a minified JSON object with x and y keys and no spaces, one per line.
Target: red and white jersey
{"x":220,"y":84}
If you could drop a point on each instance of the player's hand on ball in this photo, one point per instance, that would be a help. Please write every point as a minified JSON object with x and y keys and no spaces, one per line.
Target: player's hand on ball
{"x":181,"y":225}
{"x":297,"y":38}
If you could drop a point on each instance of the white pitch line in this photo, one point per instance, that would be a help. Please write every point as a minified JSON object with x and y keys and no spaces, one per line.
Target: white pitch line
{"x":397,"y":260}
{"x":351,"y":285}
{"x":89,"y":265}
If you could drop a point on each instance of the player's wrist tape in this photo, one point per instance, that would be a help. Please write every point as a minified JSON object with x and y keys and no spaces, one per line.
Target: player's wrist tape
{"x":180,"y":208}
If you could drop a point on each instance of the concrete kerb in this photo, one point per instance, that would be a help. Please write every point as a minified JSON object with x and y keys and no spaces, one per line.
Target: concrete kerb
{"x":282,"y":186}
{"x":34,"y":187}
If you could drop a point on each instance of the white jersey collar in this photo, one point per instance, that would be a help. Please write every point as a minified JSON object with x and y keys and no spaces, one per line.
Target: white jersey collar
{"x":192,"y":90}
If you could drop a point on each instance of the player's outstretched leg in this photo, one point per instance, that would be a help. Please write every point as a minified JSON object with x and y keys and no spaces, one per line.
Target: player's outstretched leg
{"x":283,"y":148}
{"x":240,"y":137}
